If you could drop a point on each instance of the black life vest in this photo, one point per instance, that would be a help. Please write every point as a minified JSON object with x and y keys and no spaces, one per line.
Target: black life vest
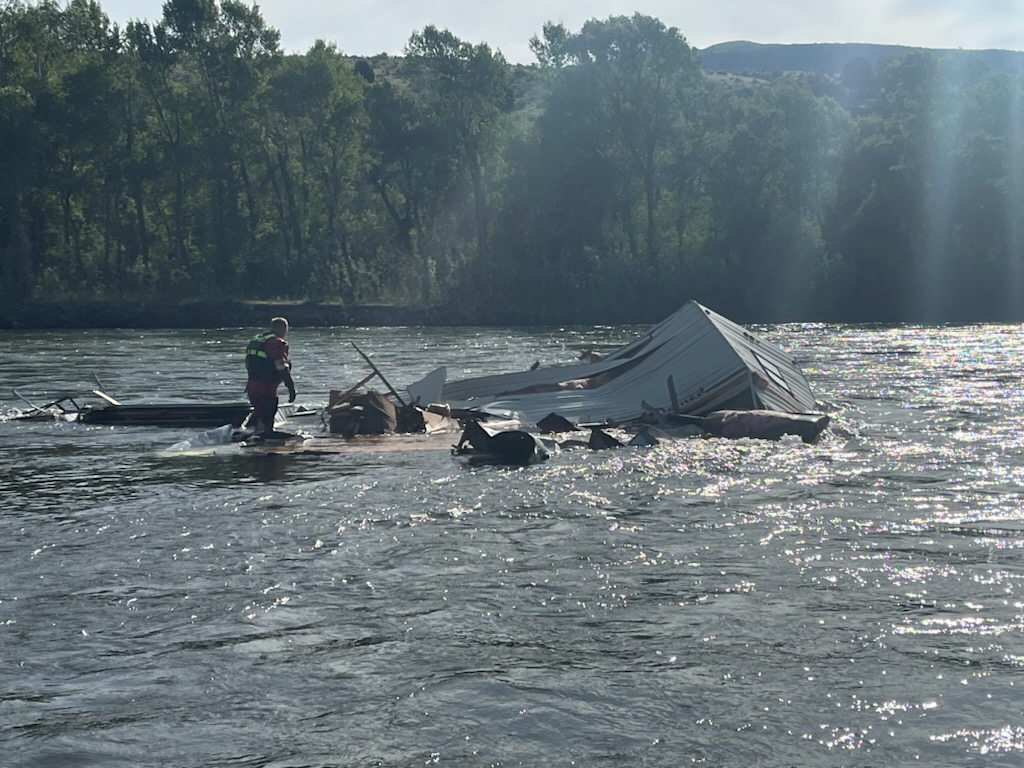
{"x":258,"y":365}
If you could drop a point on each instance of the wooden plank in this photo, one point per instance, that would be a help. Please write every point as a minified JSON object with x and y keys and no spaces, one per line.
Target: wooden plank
{"x":336,"y":400}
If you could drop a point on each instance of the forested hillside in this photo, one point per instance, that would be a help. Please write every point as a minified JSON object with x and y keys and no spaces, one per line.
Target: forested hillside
{"x":192,"y":158}
{"x":833,"y":58}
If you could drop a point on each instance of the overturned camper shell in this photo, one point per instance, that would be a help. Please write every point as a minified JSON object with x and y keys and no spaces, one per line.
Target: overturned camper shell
{"x":695,"y":362}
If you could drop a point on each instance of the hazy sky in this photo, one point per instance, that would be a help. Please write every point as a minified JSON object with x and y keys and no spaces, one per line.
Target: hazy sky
{"x":367,"y":27}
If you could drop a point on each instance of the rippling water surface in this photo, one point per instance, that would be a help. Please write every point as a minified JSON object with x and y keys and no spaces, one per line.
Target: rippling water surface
{"x":725,"y":603}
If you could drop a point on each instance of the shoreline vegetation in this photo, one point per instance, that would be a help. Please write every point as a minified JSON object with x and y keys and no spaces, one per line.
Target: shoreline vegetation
{"x":239,"y":313}
{"x":83,"y":315}
{"x":150,"y":166}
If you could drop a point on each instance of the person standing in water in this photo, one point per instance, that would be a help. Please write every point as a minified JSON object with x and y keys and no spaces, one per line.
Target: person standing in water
{"x":268,"y":366}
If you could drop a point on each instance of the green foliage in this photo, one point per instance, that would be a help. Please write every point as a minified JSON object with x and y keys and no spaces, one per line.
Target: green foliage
{"x":614,"y":179}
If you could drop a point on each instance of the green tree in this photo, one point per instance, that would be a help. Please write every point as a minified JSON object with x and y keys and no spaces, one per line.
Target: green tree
{"x":230,"y":48}
{"x":414,"y":166}
{"x":986,"y":221}
{"x":470,"y":90}
{"x":609,"y":167}
{"x":58,"y":118}
{"x":315,"y":158}
{"x":643,"y":81}
{"x":878,"y":227}
{"x":16,"y":153}
{"x":770,"y":170}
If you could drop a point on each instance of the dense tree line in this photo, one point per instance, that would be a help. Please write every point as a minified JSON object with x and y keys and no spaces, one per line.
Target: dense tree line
{"x":615,"y":178}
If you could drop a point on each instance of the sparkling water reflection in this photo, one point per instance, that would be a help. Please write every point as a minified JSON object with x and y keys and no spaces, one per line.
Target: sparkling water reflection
{"x":854,"y":602}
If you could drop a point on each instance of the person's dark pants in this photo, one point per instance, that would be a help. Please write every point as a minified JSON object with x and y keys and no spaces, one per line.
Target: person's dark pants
{"x":264,"y":409}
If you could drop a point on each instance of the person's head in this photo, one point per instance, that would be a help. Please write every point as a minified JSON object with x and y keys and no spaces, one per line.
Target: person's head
{"x":279,"y":326}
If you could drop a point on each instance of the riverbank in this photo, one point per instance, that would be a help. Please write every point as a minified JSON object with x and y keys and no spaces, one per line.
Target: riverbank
{"x":206,"y":314}
{"x":244,"y":314}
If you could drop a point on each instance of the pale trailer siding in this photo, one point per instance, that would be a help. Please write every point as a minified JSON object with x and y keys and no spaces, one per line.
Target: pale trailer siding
{"x":706,"y":372}
{"x":705,"y":369}
{"x":496,"y":384}
{"x":503,"y":383}
{"x":713,"y":362}
{"x":798,"y":396}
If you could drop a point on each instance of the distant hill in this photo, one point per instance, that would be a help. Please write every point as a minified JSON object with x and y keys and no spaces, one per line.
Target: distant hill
{"x":843,"y":71}
{"x":742,"y":57}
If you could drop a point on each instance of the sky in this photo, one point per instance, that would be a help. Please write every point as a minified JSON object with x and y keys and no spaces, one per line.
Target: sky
{"x":369,"y":27}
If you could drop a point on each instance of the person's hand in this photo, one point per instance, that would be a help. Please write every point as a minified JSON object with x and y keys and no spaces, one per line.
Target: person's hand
{"x":291,"y":394}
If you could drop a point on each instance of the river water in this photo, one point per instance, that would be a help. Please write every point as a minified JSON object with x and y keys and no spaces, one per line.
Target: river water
{"x":859,"y":602}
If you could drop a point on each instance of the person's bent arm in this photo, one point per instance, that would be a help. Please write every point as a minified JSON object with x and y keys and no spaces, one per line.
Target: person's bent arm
{"x":286,"y":376}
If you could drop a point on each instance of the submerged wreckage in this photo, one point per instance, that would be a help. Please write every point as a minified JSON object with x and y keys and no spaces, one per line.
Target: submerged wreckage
{"x":694,"y":371}
{"x":696,"y":368}
{"x":114,"y":413}
{"x":693,"y":362}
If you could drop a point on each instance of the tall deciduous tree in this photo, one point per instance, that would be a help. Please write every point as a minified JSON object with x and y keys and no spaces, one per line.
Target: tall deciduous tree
{"x":413,"y":166}
{"x":644,"y":81}
{"x":315,"y":159}
{"x":880,"y":215}
{"x":229,"y":47}
{"x":769,"y":170}
{"x":470,"y":87}
{"x":16,"y":155}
